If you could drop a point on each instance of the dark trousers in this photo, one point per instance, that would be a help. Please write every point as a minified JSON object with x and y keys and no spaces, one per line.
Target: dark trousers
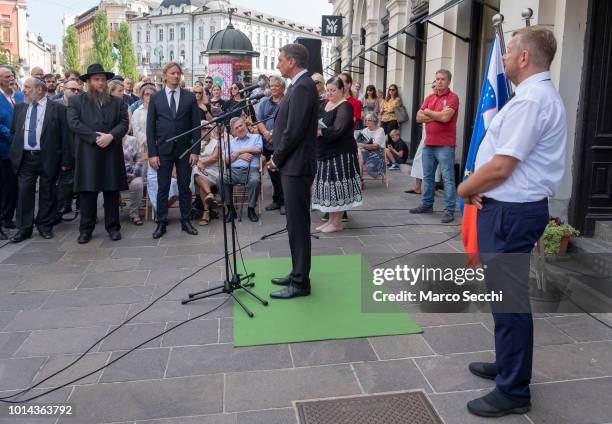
{"x":297,"y":205}
{"x":30,"y":170}
{"x":277,"y":187}
{"x":505,"y":227}
{"x":8,"y":190}
{"x":89,"y":207}
{"x":183,"y":177}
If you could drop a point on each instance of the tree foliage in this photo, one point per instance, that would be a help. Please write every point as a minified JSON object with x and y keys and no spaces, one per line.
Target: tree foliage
{"x":72,"y":58}
{"x":127,"y":57}
{"x":102,"y":47}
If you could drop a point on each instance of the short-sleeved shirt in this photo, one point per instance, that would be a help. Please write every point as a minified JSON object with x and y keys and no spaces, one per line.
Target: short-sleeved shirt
{"x":251,"y":140}
{"x":400,"y":145}
{"x":267,"y":109}
{"x":531,"y":127}
{"x":442,"y":133}
{"x":357,"y":109}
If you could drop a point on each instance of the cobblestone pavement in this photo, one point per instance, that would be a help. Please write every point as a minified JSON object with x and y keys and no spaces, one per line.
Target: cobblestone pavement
{"x":57,"y":298}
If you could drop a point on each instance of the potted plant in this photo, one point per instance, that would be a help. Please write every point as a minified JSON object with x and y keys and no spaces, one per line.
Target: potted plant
{"x":556,"y":237}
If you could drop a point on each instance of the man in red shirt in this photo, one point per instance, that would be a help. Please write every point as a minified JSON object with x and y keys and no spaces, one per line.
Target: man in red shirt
{"x":439,"y":114}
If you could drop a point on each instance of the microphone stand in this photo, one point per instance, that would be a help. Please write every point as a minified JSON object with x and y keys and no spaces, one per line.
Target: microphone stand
{"x":233,"y":280}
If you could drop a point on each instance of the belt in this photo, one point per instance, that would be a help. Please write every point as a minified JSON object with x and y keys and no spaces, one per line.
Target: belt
{"x":32,"y":152}
{"x":493,"y":201}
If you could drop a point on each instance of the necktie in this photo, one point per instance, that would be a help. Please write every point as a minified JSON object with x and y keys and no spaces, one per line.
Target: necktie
{"x":32,"y":126}
{"x":173,"y":103}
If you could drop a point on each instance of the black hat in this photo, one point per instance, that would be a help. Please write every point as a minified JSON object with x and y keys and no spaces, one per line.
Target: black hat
{"x":117,"y":78}
{"x":95,"y":69}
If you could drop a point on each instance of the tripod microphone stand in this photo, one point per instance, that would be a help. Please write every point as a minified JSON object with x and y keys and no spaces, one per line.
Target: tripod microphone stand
{"x":233,"y":280}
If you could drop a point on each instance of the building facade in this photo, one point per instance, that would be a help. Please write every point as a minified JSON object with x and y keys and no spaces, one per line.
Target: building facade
{"x":406,"y":41}
{"x":179,"y":30}
{"x":40,"y":53}
{"x":13,"y":27}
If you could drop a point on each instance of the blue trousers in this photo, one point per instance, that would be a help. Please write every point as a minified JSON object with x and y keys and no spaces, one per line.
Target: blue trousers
{"x":445,"y":156}
{"x":505,"y":227}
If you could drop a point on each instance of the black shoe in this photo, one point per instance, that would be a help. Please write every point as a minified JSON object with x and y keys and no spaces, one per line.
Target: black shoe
{"x":46,"y":234}
{"x":231,"y":215}
{"x":20,"y":236}
{"x":84,"y":238}
{"x":325,"y":217}
{"x":496,"y":404}
{"x":252,"y":215}
{"x":290,"y":292}
{"x":282,"y":210}
{"x":7,"y":223}
{"x":159,"y":231}
{"x":345,"y":217}
{"x":273,"y":206}
{"x":188,"y":228}
{"x":486,"y":370}
{"x":447,"y":218}
{"x":114,"y":235}
{"x":282,"y":281}
{"x":421,"y":209}
{"x":3,"y":235}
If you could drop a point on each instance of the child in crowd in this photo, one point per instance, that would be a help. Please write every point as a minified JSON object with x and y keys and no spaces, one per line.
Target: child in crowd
{"x":397,"y":151}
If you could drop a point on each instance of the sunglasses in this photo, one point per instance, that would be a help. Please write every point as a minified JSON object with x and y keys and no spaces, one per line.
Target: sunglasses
{"x":393,"y":89}
{"x":208,"y":81}
{"x":198,"y":92}
{"x":74,"y":90}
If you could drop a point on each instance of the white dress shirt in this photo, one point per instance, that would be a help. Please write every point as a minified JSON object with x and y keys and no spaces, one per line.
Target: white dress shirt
{"x":40,"y":117}
{"x":531,"y":127}
{"x":177,"y":96}
{"x":11,"y":98}
{"x":297,"y":77}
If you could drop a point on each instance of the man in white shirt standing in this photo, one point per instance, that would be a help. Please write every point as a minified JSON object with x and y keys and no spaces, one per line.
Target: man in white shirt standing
{"x":519,"y":165}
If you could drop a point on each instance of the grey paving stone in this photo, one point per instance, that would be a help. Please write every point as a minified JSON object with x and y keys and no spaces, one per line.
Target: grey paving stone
{"x":196,"y":332}
{"x":169,"y":262}
{"x":22,"y":301}
{"x":450,"y":372}
{"x":67,"y":317}
{"x":171,"y":276}
{"x":572,"y":402}
{"x":60,"y":267}
{"x":10,"y":342}
{"x":582,"y":328}
{"x":49,"y":282}
{"x":544,"y":333}
{"x":46,"y":257}
{"x":192,"y":249}
{"x":114,"y":279}
{"x":131,"y":335}
{"x":570,"y":362}
{"x":87,"y":364}
{"x":138,"y":252}
{"x":226,"y":334}
{"x":142,"y":364}
{"x":90,"y":254}
{"x":270,"y":416}
{"x":247,"y":391}
{"x":162,"y":311}
{"x":226,"y":310}
{"x":97,"y":296}
{"x":402,"y":346}
{"x":6,"y":317}
{"x":10,"y":280}
{"x":332,"y":352}
{"x":200,"y":419}
{"x":459,"y":338}
{"x":452,"y":409}
{"x":106,"y":265}
{"x":211,"y":359}
{"x":64,"y":340}
{"x":182,"y":291}
{"x":142,"y":400}
{"x":389,"y":376}
{"x":17,"y":373}
{"x":130,"y":242}
{"x":56,"y":398}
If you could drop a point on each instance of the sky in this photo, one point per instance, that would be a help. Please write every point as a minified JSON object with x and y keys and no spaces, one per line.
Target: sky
{"x":45,"y":16}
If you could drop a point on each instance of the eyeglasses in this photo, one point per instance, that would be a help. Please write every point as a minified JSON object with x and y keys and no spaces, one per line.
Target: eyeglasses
{"x":393,"y":89}
{"x":198,"y":92}
{"x":368,"y":120}
{"x":208,"y":81}
{"x":235,"y":88}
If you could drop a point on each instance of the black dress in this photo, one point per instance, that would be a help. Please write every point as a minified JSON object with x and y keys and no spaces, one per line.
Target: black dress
{"x":337,"y":184}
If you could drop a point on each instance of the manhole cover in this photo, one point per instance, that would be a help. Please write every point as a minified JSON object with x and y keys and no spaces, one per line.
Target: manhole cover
{"x":395,"y":408}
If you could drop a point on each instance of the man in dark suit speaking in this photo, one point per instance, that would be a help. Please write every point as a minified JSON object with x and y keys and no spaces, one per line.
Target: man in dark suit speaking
{"x":294,"y":138}
{"x":173,"y":111}
{"x":40,"y":146}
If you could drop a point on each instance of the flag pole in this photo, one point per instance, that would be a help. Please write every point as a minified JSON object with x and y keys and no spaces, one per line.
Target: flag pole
{"x":527,"y":14}
{"x":498,"y":21}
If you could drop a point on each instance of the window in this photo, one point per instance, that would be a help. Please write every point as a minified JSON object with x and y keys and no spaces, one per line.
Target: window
{"x":200,"y":32}
{"x":265,"y":62}
{"x":171,"y":56}
{"x":182,"y":33}
{"x":212,"y":30}
{"x":138,"y":36}
{"x":271,"y":62}
{"x":280,"y":42}
{"x":161,"y":34}
{"x":201,"y":60}
{"x":182,"y":58}
{"x":171,"y":34}
{"x":266,"y":40}
{"x":258,"y":38}
{"x":273,"y":41}
{"x":148,"y":36}
{"x":256,"y":63}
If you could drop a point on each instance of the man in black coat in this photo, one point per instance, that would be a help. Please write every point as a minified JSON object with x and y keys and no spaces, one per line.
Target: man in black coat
{"x":99,"y":122}
{"x":294,"y":138}
{"x":40,"y":146}
{"x":173,"y":111}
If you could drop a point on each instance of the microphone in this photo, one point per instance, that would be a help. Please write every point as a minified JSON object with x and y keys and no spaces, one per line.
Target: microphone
{"x":260,"y":84}
{"x":257,"y":96}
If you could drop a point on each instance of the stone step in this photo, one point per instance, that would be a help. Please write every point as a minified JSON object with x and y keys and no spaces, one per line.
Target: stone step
{"x":590,"y":245}
{"x":603,"y":231}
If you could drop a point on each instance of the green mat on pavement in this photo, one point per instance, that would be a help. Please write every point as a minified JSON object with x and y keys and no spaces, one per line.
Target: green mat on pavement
{"x":332,"y":311}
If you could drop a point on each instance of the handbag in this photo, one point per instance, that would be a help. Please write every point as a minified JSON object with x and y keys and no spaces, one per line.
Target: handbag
{"x":401,"y":114}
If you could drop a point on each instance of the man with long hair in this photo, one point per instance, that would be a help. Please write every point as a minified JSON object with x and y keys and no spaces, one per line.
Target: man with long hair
{"x":99,"y":122}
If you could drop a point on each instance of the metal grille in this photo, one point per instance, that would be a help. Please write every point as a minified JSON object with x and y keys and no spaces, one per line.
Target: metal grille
{"x":396,"y":408}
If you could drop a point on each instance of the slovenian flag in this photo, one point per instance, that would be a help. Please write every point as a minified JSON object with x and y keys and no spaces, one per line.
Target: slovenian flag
{"x":493,"y":96}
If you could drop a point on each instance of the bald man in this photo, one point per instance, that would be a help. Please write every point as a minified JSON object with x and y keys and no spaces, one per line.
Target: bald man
{"x":37,"y":72}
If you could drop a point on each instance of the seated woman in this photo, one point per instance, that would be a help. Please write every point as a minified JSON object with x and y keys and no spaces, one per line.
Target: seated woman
{"x":133,"y":156}
{"x":371,"y":142}
{"x":206,"y":173}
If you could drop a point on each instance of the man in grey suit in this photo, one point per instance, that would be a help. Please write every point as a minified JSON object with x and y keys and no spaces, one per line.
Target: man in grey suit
{"x":294,"y":138}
